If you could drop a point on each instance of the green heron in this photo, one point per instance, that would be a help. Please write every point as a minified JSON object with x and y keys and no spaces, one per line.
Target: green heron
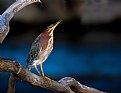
{"x":41,"y":48}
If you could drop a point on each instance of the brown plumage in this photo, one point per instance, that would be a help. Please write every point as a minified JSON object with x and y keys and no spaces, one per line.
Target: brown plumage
{"x":41,"y":48}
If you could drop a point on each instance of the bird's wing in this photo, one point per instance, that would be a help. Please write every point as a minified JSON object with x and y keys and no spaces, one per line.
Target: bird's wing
{"x":35,"y":50}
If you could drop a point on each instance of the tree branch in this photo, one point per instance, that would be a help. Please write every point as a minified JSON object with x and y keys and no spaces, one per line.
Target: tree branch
{"x":65,"y":85}
{"x":12,"y":84}
{"x":8,"y":15}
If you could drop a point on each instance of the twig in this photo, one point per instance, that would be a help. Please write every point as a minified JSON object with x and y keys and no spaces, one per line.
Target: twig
{"x":65,"y":85}
{"x":8,"y":15}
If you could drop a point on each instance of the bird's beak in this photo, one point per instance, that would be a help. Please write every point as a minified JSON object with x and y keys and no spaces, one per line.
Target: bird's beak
{"x":57,"y":23}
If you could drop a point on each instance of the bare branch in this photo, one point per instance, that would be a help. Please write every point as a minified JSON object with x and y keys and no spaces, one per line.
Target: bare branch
{"x":12,"y":84}
{"x":77,"y":87}
{"x":9,"y":13}
{"x":65,"y":85}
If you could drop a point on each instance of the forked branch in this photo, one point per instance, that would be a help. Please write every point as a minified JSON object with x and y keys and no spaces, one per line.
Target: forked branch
{"x":65,"y":85}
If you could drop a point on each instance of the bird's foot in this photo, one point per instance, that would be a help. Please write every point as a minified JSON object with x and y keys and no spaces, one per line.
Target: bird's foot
{"x":39,"y":74}
{"x":47,"y":80}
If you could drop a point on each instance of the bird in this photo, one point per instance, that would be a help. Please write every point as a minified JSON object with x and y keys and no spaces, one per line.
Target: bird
{"x":41,"y":49}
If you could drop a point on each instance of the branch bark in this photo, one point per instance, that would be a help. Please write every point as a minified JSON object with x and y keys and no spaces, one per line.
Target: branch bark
{"x":65,"y":85}
{"x":12,"y":84}
{"x":8,"y":15}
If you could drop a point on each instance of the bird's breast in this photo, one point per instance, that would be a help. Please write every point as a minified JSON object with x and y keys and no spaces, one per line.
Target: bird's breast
{"x":46,"y":41}
{"x":43,"y":56}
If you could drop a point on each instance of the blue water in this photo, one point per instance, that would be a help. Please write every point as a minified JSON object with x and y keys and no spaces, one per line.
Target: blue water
{"x":65,"y":61}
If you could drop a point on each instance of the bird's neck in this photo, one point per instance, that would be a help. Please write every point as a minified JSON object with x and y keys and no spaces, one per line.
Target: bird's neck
{"x":46,"y":39}
{"x":49,"y":32}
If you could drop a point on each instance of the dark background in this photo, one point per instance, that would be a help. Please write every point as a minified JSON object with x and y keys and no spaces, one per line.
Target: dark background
{"x":87,"y":42}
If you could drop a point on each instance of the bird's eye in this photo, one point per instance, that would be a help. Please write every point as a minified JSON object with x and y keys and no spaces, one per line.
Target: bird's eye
{"x":50,"y":26}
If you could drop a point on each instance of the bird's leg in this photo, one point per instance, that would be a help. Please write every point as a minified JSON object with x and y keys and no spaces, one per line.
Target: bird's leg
{"x":35,"y":66}
{"x":42,"y":70}
{"x":46,"y":79}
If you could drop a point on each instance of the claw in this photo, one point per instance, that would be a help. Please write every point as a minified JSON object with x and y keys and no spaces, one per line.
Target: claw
{"x":47,"y":80}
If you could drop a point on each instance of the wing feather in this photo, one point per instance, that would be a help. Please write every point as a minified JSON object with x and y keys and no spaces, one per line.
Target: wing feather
{"x":34,"y":51}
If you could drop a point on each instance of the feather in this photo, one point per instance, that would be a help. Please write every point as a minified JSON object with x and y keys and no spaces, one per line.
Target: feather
{"x":34,"y":51}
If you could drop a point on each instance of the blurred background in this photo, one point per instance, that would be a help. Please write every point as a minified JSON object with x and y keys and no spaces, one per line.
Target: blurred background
{"x":87,"y":43}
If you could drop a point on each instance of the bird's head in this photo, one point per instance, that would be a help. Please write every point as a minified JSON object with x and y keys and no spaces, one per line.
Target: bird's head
{"x":51,"y":28}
